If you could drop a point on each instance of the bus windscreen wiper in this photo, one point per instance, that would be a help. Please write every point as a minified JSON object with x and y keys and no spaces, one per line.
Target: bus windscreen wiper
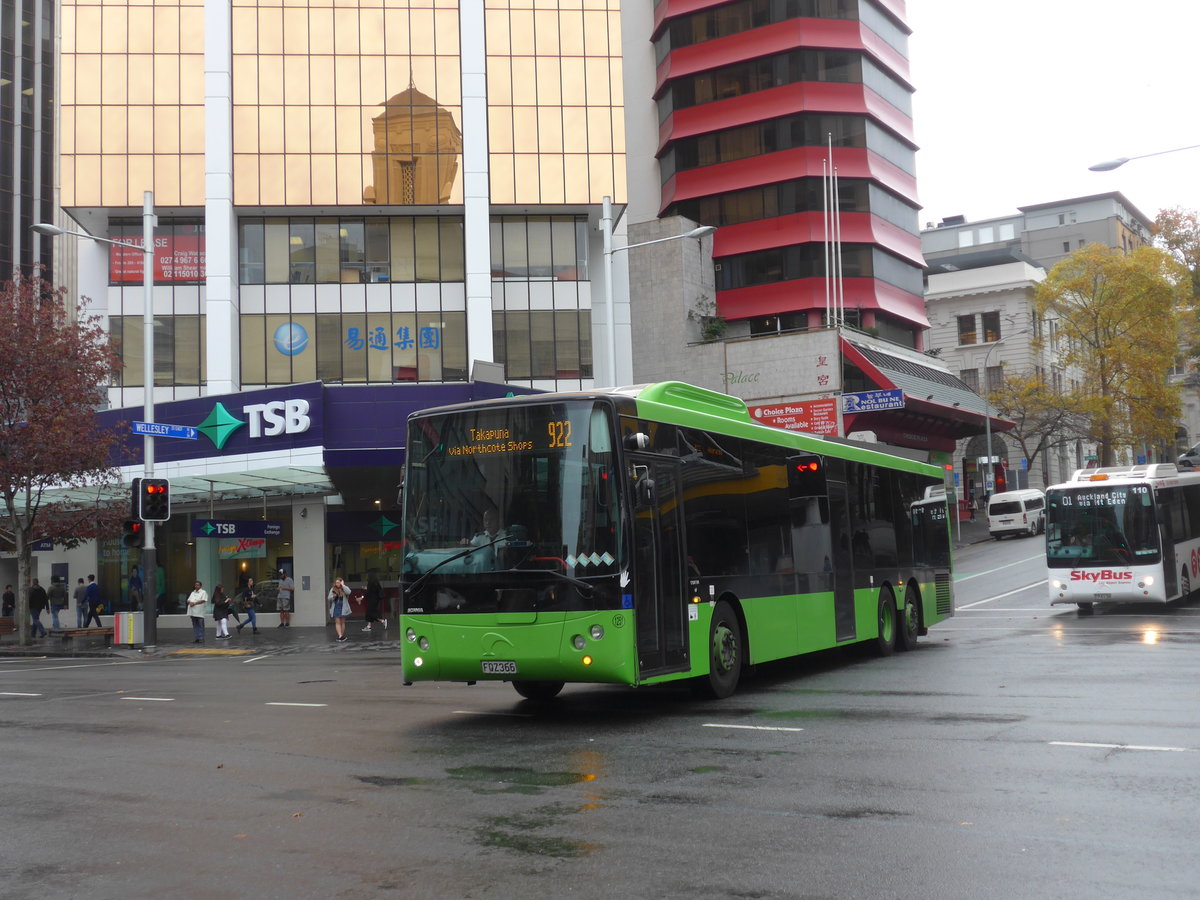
{"x":411,"y":589}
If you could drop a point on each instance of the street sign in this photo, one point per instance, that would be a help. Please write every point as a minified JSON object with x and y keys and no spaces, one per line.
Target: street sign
{"x":870,"y":401}
{"x":226,"y":528}
{"x":157,"y":429}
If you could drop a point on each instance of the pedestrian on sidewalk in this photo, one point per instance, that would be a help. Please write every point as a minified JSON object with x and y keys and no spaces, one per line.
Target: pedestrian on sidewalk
{"x":221,"y":612}
{"x":249,"y":599}
{"x":284,"y":604}
{"x":58,"y":600}
{"x":80,"y":598}
{"x":37,"y":603}
{"x":196,"y":602}
{"x":972,"y":506}
{"x":339,"y":607}
{"x":374,"y":601}
{"x":92,"y":595}
{"x":10,"y":602}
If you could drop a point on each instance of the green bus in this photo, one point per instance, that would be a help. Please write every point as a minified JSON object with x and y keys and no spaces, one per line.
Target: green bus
{"x":650,"y":534}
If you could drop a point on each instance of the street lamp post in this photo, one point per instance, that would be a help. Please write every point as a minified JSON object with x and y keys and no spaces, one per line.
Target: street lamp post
{"x":989,"y":483}
{"x":1109,"y":164}
{"x":606,"y":229}
{"x":149,"y":562}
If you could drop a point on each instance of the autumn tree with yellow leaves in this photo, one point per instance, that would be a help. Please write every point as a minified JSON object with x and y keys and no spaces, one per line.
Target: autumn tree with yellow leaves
{"x":1119,"y":325}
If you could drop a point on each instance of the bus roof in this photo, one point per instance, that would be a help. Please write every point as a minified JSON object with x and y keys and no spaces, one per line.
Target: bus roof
{"x":678,"y":403}
{"x":1158,"y":472}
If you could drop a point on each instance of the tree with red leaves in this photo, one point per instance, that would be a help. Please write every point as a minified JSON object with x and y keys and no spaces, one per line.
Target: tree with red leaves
{"x":56,"y":478}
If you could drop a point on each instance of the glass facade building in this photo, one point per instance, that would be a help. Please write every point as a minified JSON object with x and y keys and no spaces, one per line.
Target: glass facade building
{"x":340,"y":205}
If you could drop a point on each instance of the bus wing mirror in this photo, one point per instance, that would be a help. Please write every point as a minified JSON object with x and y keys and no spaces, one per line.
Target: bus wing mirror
{"x":645,"y":491}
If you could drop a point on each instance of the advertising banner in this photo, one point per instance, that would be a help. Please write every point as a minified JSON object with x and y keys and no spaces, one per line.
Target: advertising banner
{"x":177,"y":259}
{"x":812,"y":416}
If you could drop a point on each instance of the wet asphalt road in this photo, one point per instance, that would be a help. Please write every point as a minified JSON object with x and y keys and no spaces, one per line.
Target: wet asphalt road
{"x":1021,"y":751}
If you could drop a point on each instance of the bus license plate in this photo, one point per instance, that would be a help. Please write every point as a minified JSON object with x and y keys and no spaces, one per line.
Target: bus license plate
{"x":1102,"y":596}
{"x":499,"y":667}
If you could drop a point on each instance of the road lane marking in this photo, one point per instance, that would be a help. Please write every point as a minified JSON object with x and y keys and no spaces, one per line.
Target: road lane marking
{"x":749,"y":727}
{"x":1019,"y":562}
{"x":257,"y":658}
{"x":480,"y":712}
{"x":280,"y":703}
{"x":1120,"y":747}
{"x":17,"y":694}
{"x":150,"y":699}
{"x":1002,"y":596}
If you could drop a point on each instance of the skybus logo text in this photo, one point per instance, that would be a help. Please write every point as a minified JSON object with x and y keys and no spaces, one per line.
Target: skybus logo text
{"x":1102,"y":575}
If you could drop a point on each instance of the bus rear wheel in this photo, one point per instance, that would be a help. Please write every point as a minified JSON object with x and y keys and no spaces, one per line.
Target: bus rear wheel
{"x":724,"y":653}
{"x":538,"y":690}
{"x":885,"y":641}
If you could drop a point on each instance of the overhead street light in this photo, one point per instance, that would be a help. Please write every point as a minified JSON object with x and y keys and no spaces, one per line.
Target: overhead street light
{"x":146,"y":248}
{"x":1109,"y":164}
{"x":606,"y":229}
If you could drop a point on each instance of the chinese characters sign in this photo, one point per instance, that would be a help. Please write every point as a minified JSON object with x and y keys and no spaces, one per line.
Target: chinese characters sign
{"x":801,"y":365}
{"x":404,"y":338}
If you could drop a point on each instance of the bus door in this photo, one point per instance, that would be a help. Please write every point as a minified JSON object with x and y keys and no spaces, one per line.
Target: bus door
{"x":1170,"y":522}
{"x":820,"y":511}
{"x":660,"y":589}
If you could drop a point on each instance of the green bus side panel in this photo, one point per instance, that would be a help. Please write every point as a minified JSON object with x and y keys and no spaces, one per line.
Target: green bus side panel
{"x":542,"y":648}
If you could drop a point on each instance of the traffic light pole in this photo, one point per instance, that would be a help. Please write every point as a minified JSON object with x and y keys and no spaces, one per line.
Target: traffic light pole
{"x":149,"y":560}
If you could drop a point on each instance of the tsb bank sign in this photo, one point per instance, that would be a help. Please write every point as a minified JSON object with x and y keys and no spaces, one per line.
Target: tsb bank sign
{"x":262,"y":420}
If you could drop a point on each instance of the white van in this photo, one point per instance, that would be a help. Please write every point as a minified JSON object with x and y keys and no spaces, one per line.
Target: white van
{"x":1016,"y":512}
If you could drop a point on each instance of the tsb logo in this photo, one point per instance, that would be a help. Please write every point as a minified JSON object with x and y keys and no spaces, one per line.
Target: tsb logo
{"x":278,"y":417}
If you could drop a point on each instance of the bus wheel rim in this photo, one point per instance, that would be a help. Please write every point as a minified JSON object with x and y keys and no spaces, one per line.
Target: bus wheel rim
{"x":724,"y":648}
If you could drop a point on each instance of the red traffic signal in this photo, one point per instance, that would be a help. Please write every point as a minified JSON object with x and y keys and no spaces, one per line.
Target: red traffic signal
{"x":806,"y":476}
{"x":134,"y":534}
{"x":154,"y":499}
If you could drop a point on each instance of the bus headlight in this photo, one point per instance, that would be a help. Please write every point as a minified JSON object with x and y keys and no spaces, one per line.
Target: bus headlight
{"x":597,"y":632}
{"x":1146,"y":582}
{"x":578,"y":642}
{"x":423,"y":643}
{"x":411,"y":635}
{"x":1057,"y":585}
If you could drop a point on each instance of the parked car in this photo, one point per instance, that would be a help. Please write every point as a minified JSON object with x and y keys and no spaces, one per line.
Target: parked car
{"x":1016,"y":512}
{"x":1189,"y":458}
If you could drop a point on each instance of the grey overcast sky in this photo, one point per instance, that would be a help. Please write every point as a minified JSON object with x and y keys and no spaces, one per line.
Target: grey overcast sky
{"x":1016,"y":99}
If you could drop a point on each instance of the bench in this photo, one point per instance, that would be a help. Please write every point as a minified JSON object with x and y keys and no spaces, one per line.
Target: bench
{"x":69,"y":634}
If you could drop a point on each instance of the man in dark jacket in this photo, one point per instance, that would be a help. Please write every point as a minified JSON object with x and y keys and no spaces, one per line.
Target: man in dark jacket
{"x":59,"y":600}
{"x":37,"y":603}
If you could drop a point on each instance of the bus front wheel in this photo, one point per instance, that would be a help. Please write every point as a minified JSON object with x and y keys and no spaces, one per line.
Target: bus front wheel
{"x":538,"y":690}
{"x":885,"y":641}
{"x":724,"y":652}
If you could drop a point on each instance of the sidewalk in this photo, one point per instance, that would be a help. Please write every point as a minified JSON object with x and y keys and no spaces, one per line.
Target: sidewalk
{"x":179,"y":641}
{"x":966,"y":532}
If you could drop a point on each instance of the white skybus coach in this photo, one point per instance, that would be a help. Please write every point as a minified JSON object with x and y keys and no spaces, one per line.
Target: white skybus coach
{"x":1128,"y":534}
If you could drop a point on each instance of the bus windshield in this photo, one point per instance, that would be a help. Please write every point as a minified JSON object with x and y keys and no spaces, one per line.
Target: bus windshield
{"x":512,"y":508}
{"x":1101,"y":525}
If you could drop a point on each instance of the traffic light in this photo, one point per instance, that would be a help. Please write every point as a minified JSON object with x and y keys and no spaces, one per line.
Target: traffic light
{"x":154,"y":499}
{"x":806,"y":476}
{"x":134,"y":533}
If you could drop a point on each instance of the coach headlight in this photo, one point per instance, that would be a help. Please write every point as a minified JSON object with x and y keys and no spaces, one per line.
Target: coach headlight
{"x":1057,"y":585}
{"x":1146,"y":582}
